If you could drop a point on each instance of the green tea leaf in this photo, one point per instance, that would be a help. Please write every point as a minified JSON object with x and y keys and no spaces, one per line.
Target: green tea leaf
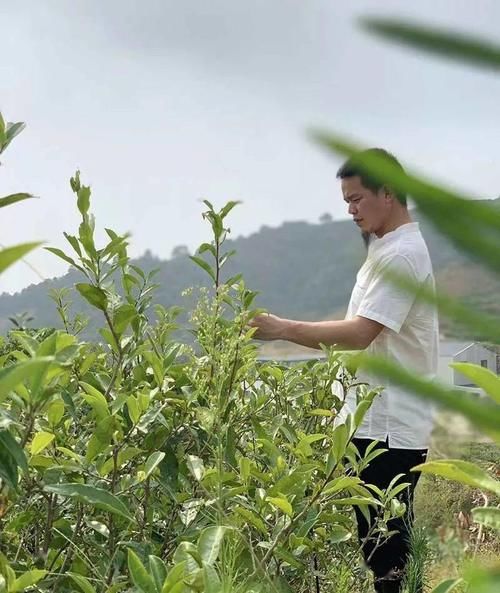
{"x":40,"y":441}
{"x":29,"y":578}
{"x":96,"y":400}
{"x":97,"y":497}
{"x":204,"y":265}
{"x":82,"y":582}
{"x":281,"y":503}
{"x":55,"y":411}
{"x":139,"y":575}
{"x":153,"y":462}
{"x":252,"y":519}
{"x":158,"y":570}
{"x":83,"y":201}
{"x":94,"y":295}
{"x":175,"y":578}
{"x":227,"y":208}
{"x":122,"y":317}
{"x":209,"y":543}
{"x":60,"y":253}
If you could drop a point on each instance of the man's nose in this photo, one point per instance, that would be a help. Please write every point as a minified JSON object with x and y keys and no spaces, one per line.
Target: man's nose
{"x":352,"y":209}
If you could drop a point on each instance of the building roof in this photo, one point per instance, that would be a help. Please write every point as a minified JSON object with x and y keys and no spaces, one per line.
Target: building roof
{"x":450,"y":348}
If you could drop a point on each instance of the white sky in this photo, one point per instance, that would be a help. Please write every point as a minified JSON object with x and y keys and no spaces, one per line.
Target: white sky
{"x":163,"y":103}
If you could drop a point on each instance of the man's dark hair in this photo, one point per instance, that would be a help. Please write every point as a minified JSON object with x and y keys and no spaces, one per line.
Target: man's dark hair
{"x":353,"y":168}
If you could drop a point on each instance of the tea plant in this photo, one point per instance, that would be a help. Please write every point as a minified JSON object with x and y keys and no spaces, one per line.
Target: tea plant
{"x":139,"y":461}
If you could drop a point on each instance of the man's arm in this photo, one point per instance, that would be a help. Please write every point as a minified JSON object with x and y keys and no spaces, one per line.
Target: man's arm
{"x":350,"y":334}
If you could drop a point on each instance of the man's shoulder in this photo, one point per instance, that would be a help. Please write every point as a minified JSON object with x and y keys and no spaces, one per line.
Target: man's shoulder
{"x":408,"y":252}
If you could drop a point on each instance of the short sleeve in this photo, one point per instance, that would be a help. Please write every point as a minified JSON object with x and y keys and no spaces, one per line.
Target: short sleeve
{"x":384,"y":301}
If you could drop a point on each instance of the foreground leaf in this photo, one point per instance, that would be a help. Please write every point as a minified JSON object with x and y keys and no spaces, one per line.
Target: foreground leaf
{"x":13,"y":198}
{"x":14,"y":375}
{"x":488,"y":516}
{"x":10,"y":255}
{"x":447,"y":586}
{"x":461,"y":471}
{"x":449,"y":44}
{"x":482,"y":377}
{"x":482,"y":412}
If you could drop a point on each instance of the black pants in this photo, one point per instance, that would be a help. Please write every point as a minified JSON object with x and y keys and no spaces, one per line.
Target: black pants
{"x":393,"y":553}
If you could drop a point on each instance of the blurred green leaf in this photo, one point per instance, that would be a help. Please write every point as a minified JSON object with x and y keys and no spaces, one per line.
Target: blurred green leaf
{"x":474,"y":227}
{"x":482,"y":412}
{"x":487,"y":516}
{"x":13,"y":198}
{"x":11,"y":447}
{"x":477,"y":323}
{"x":12,"y":376}
{"x":461,"y":471}
{"x":447,"y":586}
{"x":442,"y":42}
{"x":482,"y":377}
{"x":10,"y":255}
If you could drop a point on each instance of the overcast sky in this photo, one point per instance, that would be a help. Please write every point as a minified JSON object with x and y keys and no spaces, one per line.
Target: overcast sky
{"x":161,"y":103}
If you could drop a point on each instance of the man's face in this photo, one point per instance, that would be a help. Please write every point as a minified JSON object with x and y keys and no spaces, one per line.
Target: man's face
{"x":368,"y":209}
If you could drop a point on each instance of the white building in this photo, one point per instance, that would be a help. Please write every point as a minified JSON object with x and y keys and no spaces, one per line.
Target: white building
{"x":476,"y":354}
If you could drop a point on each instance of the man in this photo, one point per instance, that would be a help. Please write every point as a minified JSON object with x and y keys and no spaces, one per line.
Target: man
{"x":384,"y":320}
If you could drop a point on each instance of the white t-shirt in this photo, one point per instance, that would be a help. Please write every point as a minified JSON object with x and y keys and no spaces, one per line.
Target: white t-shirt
{"x":410,"y":336}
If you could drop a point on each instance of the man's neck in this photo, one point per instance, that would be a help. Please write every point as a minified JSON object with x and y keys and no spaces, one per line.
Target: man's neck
{"x":394,"y":223}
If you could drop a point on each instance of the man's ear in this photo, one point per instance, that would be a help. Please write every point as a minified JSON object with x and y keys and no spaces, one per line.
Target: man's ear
{"x":388,"y":194}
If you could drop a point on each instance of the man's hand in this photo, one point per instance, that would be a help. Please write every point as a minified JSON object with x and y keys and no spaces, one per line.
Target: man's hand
{"x":270,"y":327}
